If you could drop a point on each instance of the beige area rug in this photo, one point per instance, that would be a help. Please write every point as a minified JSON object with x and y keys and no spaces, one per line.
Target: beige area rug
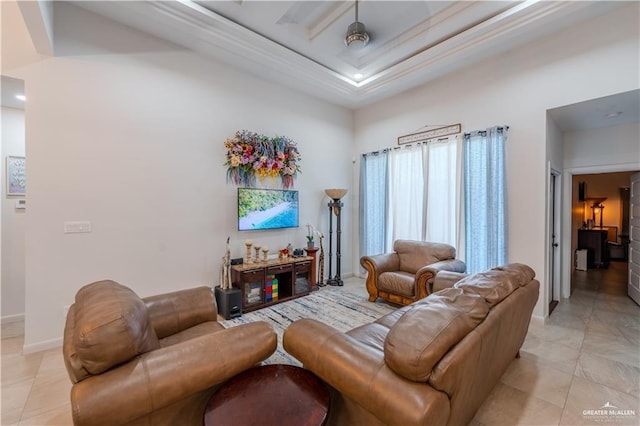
{"x":334,"y":306}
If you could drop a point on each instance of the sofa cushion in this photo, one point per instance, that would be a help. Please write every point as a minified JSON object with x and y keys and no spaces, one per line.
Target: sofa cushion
{"x":111,"y":326}
{"x":391,"y":318}
{"x":426,"y":332}
{"x":416,"y":254}
{"x":496,"y":284}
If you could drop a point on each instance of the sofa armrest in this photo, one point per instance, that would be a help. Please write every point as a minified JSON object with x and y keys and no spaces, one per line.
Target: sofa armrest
{"x":171,"y":313}
{"x":359,"y":373}
{"x":426,"y":274}
{"x":453,"y":265}
{"x":159,"y":378}
{"x":445,"y":279}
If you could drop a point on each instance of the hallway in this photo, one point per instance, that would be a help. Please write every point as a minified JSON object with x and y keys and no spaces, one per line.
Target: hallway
{"x":612,"y":280}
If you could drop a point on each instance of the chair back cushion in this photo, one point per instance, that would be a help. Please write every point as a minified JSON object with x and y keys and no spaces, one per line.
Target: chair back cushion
{"x":111,"y":326}
{"x":171,"y":313}
{"x":416,"y":254}
{"x":426,"y":332}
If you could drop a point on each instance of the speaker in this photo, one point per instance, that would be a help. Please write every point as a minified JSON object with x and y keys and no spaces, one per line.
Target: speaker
{"x":236,"y":261}
{"x":229,"y":302}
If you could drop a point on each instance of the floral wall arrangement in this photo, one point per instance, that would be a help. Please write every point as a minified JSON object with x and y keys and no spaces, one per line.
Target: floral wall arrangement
{"x":250,"y":155}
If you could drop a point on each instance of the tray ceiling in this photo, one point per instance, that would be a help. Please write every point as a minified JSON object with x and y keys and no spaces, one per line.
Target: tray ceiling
{"x":301,"y":43}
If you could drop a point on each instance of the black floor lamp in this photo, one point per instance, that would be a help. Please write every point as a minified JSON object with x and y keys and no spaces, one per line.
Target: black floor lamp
{"x":335,"y":208}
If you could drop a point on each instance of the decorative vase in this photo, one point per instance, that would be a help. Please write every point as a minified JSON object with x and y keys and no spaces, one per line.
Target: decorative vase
{"x":310,"y":244}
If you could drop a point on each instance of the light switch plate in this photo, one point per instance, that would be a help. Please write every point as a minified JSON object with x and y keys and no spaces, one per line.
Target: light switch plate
{"x":77,"y":227}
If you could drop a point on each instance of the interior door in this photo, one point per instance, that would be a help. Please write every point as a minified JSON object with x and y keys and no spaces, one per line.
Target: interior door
{"x":634,"y":240}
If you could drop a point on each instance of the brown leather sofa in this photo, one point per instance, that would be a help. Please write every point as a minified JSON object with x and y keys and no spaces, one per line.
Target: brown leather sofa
{"x":152,"y":361}
{"x":406,"y":275}
{"x":430,"y":363}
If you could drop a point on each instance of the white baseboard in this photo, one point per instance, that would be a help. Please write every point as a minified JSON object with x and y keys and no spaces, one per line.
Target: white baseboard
{"x":42,"y":346}
{"x":538,"y":320}
{"x":12,"y":318}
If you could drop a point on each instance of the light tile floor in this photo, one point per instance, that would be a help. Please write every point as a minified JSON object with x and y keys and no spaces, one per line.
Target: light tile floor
{"x":586,"y":355}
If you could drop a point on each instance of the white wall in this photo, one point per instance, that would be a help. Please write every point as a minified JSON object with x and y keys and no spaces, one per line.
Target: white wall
{"x":13,"y":221}
{"x":127,"y":132}
{"x":555,"y":145}
{"x":517,"y":89}
{"x":615,"y":145}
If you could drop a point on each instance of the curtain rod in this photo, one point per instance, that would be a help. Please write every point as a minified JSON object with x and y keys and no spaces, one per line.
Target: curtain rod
{"x":407,"y":146}
{"x":498,"y":128}
{"x":375,"y":152}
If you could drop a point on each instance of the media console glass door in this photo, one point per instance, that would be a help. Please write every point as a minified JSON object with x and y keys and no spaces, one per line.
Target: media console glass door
{"x":272,"y":282}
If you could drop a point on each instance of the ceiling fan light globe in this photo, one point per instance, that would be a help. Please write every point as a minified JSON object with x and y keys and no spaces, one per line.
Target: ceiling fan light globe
{"x":356,"y":35}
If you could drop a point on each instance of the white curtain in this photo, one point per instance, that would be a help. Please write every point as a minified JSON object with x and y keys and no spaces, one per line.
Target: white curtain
{"x":411,"y":192}
{"x":443,"y":196}
{"x":405,"y":198}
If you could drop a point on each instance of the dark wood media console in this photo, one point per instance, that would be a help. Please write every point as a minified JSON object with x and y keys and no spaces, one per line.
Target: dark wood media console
{"x":594,"y":240}
{"x":269,"y":282}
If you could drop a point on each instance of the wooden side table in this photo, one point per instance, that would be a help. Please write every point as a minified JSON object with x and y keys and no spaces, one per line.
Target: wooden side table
{"x":278,"y":395}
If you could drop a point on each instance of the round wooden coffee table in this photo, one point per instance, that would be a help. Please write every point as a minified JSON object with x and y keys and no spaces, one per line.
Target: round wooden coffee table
{"x":270,"y":395}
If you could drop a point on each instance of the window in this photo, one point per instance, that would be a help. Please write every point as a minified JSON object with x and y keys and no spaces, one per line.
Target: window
{"x":418,"y":192}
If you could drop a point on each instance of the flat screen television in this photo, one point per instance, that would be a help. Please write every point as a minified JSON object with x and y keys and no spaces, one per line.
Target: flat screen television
{"x":267,"y":209}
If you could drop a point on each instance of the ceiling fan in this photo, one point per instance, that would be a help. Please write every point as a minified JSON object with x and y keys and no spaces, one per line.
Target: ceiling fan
{"x":356,"y":33}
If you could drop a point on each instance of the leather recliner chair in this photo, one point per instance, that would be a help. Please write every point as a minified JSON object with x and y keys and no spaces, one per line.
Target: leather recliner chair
{"x":407,"y":274}
{"x":152,"y":361}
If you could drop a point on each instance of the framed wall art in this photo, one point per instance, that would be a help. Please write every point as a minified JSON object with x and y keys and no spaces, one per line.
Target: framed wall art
{"x":430,"y":134}
{"x":16,"y":181}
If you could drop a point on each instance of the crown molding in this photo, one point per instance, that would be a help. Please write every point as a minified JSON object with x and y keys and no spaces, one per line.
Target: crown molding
{"x":252,"y":51}
{"x":321,"y":25}
{"x":38,"y":17}
{"x":217,"y":36}
{"x":449,"y":54}
{"x":193,"y":26}
{"x":414,"y":36}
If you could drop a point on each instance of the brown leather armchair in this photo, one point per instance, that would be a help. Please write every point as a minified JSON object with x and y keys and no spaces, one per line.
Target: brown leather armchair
{"x":155,"y":360}
{"x":406,"y":275}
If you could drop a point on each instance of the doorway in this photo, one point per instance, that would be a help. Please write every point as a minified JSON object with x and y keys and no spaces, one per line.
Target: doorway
{"x":585,"y":140}
{"x":12,"y":213}
{"x":604,"y":201}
